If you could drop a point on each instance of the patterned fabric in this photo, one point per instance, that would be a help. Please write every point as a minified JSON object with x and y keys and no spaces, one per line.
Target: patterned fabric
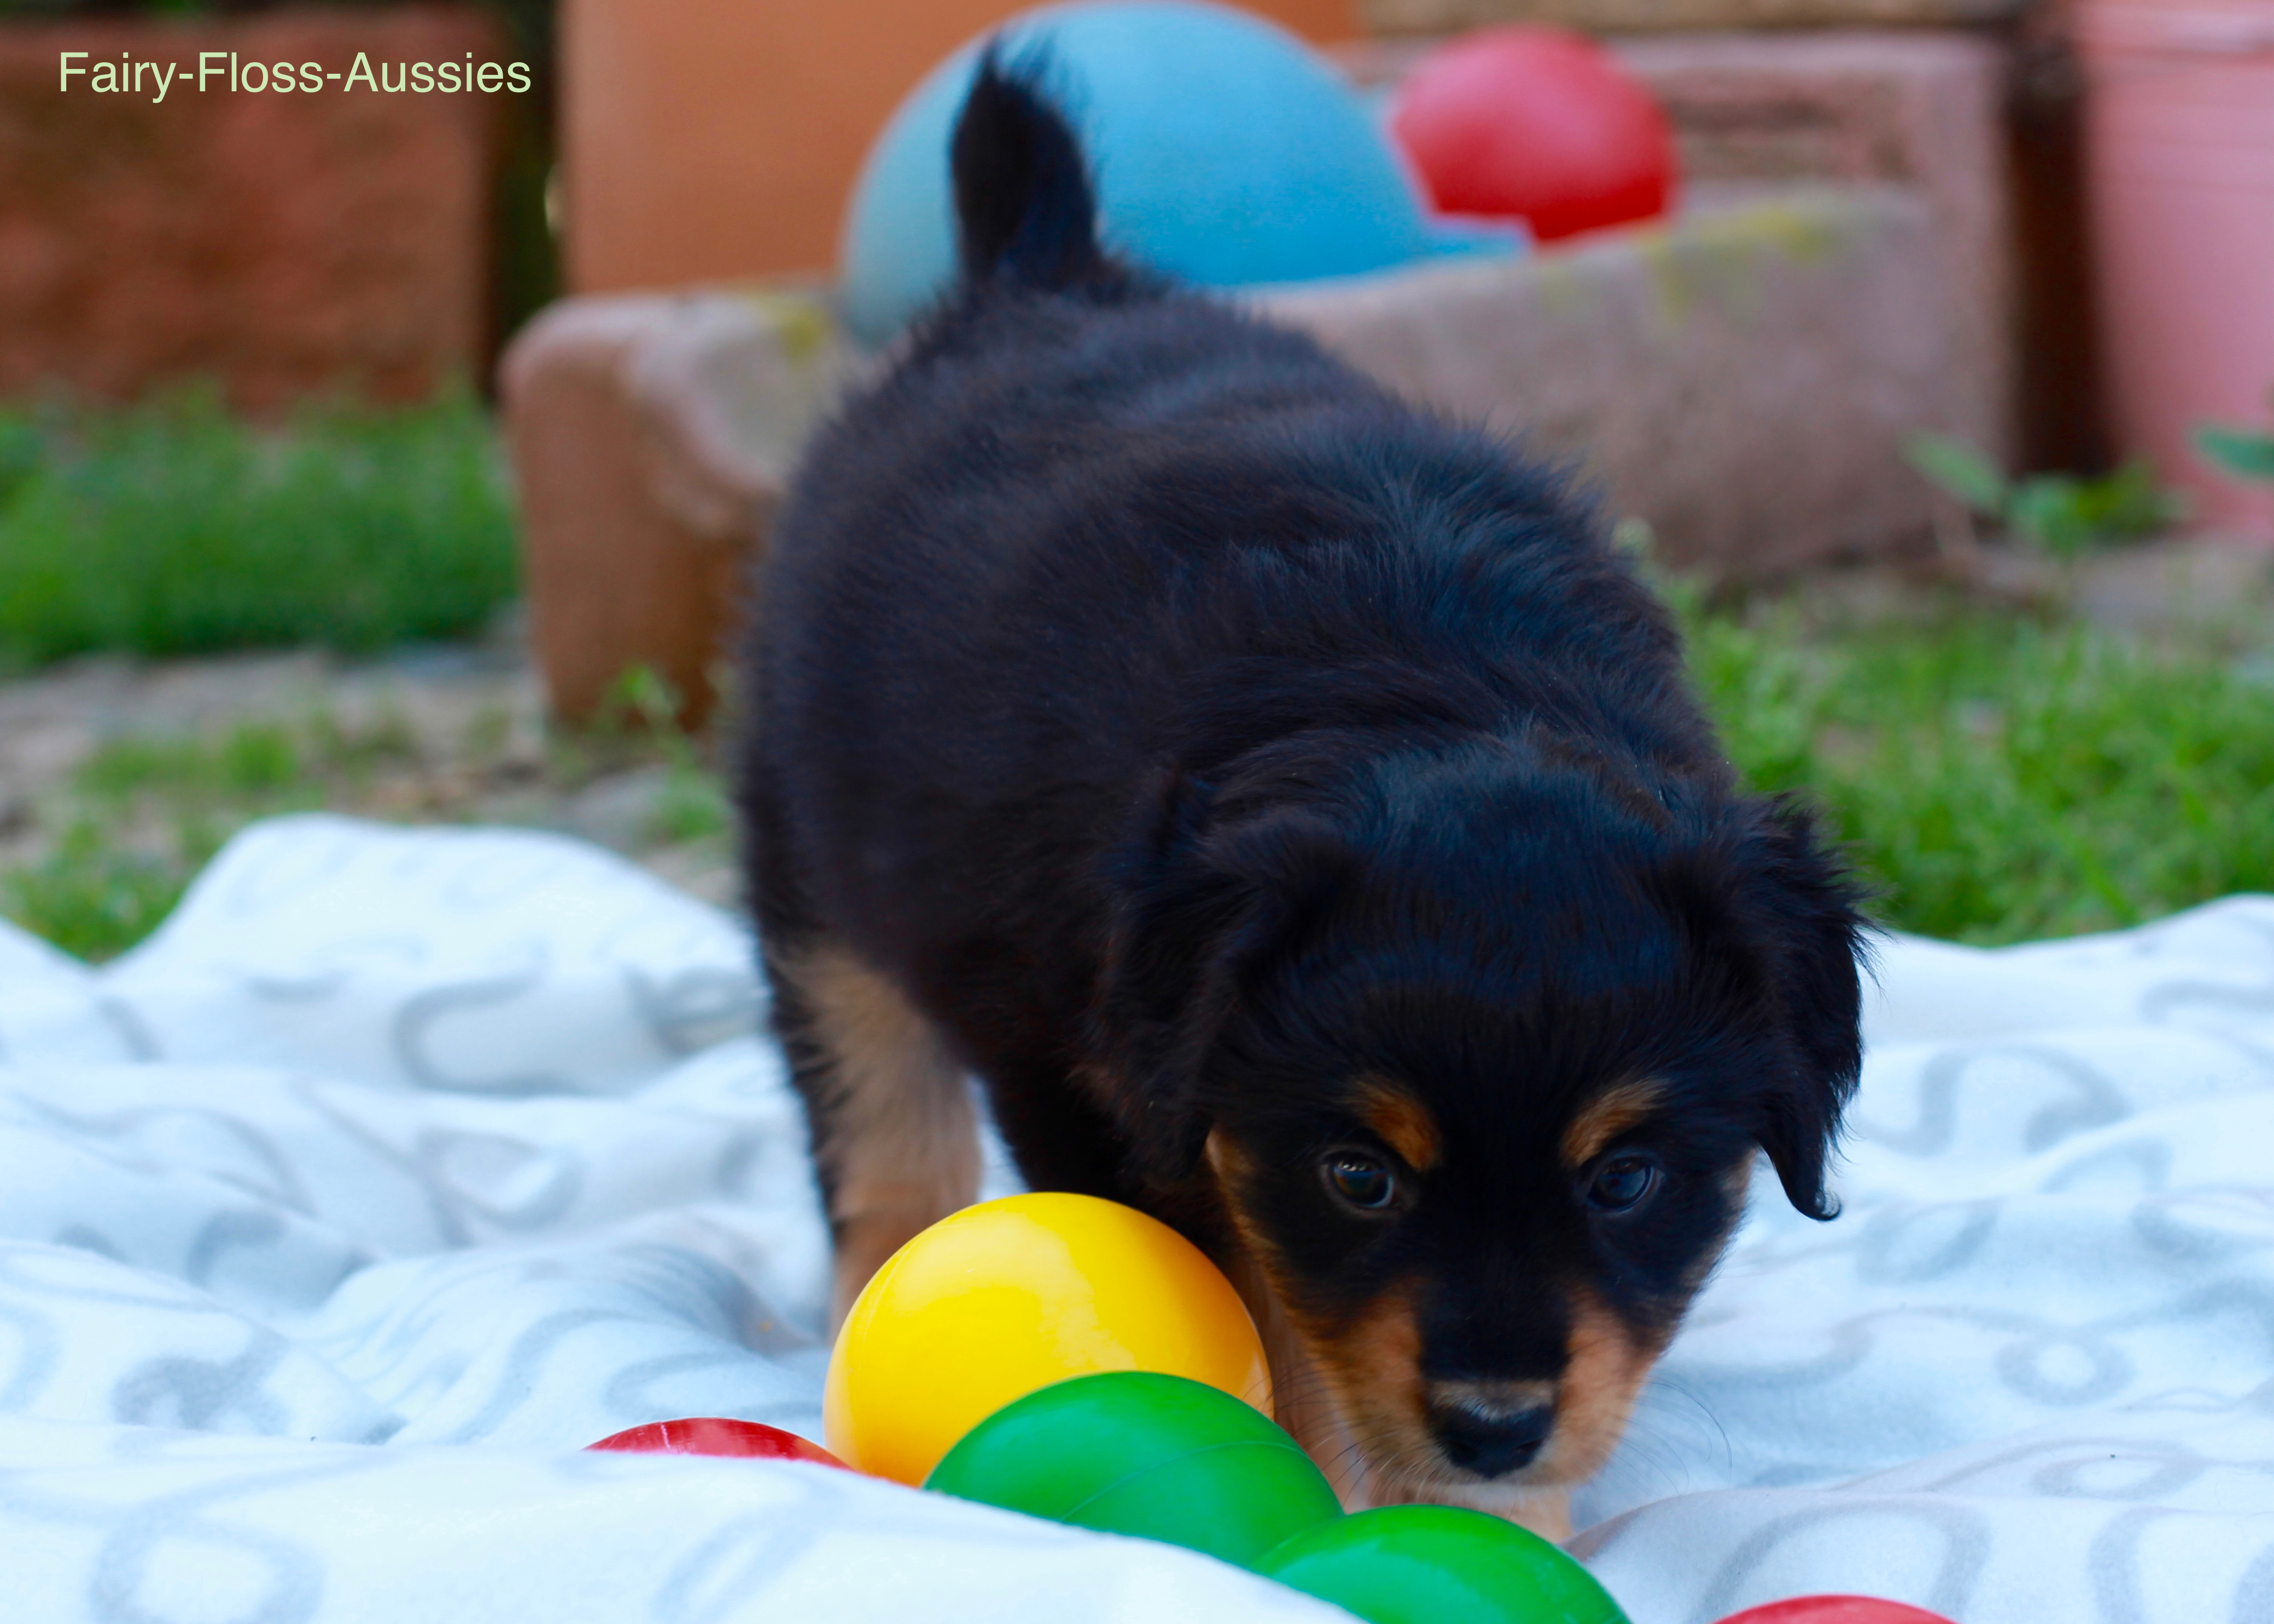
{"x":401,"y":1163}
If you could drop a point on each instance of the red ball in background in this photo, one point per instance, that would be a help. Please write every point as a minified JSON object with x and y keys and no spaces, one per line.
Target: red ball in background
{"x":1835,"y":1609}
{"x":1538,"y":123}
{"x":716,"y":1435}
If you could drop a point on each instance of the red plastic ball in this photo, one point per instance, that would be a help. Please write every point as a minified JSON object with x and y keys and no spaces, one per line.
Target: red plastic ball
{"x":1835,"y":1609}
{"x":1536,"y":123}
{"x":716,"y":1435}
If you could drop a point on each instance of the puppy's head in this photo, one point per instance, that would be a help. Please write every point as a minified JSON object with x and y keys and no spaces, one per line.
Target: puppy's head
{"x":1471,"y":1069}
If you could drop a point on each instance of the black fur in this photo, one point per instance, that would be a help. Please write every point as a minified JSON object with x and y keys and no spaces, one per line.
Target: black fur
{"x":1192,"y":730}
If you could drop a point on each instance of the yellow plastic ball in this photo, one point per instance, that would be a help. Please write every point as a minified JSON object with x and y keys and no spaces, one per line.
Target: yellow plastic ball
{"x":1006,"y":1296}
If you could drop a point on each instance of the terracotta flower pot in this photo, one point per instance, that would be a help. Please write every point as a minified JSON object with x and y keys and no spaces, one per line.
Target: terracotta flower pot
{"x":2181,"y":126}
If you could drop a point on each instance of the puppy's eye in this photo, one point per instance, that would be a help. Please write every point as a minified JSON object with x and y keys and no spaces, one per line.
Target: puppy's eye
{"x":1622,"y":1183}
{"x":1360,"y":1180}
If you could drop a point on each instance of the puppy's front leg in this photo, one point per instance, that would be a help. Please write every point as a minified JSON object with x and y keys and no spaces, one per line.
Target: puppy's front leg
{"x":895,"y":1138}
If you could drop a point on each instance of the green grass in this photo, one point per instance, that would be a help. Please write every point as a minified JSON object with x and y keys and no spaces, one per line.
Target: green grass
{"x":138,"y":818}
{"x":92,"y":897}
{"x":143,"y":814}
{"x":1999,"y":778}
{"x":172,"y":528}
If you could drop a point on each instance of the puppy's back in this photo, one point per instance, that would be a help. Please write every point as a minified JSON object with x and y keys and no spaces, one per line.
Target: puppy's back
{"x":1088,"y":526}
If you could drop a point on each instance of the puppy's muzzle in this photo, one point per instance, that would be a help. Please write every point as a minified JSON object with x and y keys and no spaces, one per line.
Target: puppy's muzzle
{"x":1490,"y":1429}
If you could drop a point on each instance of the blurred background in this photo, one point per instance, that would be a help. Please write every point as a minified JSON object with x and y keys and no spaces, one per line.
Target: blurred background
{"x":404,"y":454}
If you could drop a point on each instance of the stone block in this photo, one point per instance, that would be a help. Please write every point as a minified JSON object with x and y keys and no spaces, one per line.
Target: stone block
{"x":1742,"y":380}
{"x":652,"y":435}
{"x":1918,"y":110}
{"x":281,"y":244}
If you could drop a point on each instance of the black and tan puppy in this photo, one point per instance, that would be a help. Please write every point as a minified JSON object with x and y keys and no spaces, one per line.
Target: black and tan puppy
{"x":1295,"y":814}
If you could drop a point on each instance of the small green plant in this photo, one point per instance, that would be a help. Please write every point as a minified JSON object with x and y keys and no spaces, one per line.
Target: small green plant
{"x":90,"y":897}
{"x":2063,"y":515}
{"x":691,"y":806}
{"x":265,"y":764}
{"x":2247,"y":453}
{"x":639,"y":715}
{"x":640,"y":699}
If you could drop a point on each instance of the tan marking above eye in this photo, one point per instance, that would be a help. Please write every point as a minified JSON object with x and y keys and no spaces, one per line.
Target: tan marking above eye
{"x":1401,"y":1122}
{"x":1605,"y":1117}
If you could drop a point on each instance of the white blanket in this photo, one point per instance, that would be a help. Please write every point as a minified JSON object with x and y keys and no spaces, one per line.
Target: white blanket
{"x":401,"y":1165}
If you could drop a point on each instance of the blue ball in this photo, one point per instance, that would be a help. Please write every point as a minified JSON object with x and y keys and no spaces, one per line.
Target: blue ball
{"x":1224,"y":151}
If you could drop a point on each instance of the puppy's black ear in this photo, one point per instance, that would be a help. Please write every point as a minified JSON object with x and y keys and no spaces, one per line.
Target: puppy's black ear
{"x":1811,"y":936}
{"x":1202,"y":905}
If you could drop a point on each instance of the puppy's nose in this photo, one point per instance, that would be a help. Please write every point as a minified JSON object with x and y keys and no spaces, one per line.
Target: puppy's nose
{"x":1490,"y":1439}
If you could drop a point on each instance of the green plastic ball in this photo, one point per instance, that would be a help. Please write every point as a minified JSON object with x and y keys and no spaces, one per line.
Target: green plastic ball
{"x":1433,"y":1564}
{"x":1139,"y":1452}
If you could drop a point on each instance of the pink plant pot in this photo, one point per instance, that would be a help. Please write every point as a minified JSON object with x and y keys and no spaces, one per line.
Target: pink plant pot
{"x":2181,"y":126}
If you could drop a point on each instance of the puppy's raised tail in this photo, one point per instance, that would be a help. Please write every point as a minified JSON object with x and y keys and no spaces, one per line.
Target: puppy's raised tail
{"x":1025,"y":210}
